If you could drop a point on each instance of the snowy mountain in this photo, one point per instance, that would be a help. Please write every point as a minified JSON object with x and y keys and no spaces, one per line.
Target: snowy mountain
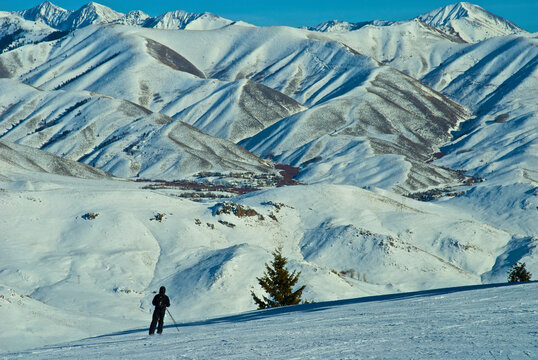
{"x":46,"y":13}
{"x":61,"y":19}
{"x":207,"y":94}
{"x":119,"y":136}
{"x":412,"y":47}
{"x":94,"y":13}
{"x":338,"y":26}
{"x":184,"y":20}
{"x":19,"y":158}
{"x":470,"y":22}
{"x":414,"y":145}
{"x":16,"y":32}
{"x":464,"y":21}
{"x":353,"y":129}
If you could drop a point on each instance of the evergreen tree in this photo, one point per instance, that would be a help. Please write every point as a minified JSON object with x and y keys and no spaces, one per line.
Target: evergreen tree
{"x":278,"y":284}
{"x":518,"y":273}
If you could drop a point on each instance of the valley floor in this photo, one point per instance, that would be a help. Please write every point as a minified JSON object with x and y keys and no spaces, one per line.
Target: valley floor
{"x":475,"y":322}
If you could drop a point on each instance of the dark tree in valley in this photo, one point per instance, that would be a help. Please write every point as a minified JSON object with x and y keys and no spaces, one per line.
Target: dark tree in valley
{"x":518,"y":273}
{"x":278,"y":283}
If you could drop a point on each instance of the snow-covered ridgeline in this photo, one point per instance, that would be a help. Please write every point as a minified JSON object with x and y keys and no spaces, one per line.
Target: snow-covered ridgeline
{"x":94,"y":13}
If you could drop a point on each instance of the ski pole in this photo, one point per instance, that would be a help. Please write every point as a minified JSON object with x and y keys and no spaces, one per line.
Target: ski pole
{"x":173,"y":320}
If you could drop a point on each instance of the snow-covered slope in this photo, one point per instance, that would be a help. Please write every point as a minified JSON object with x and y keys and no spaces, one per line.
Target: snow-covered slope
{"x":127,"y":63}
{"x":102,"y":251}
{"x":498,"y":80}
{"x":464,"y":323}
{"x":347,"y":93}
{"x":333,"y":80}
{"x":379,"y":133}
{"x":470,"y":22}
{"x":16,"y":31}
{"x":119,"y":136}
{"x":17,"y":158}
{"x":412,"y":47}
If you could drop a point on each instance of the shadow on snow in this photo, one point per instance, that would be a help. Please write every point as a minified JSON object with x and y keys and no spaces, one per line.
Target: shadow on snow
{"x":319,"y":306}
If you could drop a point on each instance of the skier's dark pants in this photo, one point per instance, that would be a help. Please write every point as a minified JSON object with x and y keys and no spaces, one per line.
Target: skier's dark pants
{"x":158,"y":317}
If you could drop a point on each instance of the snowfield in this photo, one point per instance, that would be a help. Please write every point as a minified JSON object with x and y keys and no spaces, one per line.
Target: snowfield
{"x":101,"y":251}
{"x":414,"y":147}
{"x":481,"y":322}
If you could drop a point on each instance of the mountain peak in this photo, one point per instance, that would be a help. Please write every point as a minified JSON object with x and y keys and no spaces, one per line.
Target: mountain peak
{"x":470,"y":22}
{"x":98,"y":9}
{"x":47,"y":5}
{"x":92,"y":13}
{"x":96,"y":6}
{"x":444,"y":15}
{"x":180,"y":19}
{"x":46,"y":13}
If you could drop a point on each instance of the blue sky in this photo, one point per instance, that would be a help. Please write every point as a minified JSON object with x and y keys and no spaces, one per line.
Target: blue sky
{"x":302,"y":12}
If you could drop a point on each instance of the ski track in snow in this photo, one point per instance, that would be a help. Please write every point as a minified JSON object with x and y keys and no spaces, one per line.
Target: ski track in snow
{"x":477,"y":322}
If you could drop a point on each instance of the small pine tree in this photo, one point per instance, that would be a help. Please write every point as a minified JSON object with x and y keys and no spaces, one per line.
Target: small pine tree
{"x":518,"y":273}
{"x":278,"y":284}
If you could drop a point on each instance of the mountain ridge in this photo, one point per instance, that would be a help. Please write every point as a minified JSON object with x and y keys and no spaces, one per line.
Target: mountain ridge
{"x":95,"y":13}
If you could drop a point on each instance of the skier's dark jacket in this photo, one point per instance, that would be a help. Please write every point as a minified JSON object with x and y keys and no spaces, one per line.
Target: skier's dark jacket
{"x":161,"y":301}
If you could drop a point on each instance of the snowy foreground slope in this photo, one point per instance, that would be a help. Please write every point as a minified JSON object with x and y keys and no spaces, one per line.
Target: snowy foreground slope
{"x":482,"y":322}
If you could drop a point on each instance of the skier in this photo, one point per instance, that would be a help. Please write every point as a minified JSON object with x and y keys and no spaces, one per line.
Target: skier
{"x":161,"y":302}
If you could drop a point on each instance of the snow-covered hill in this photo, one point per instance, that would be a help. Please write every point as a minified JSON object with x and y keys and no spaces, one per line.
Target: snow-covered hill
{"x":23,"y":158}
{"x":379,"y":133}
{"x":101,"y":248}
{"x":412,"y":47}
{"x":16,"y":31}
{"x":346,"y":93}
{"x":462,"y":323}
{"x":119,"y":136}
